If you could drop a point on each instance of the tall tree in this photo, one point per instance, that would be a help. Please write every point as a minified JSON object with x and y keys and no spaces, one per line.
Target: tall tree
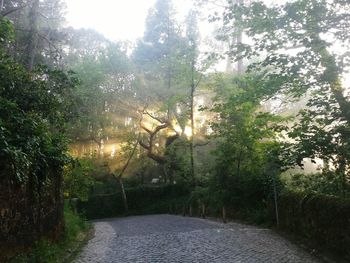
{"x":160,"y":56}
{"x":107,"y":86}
{"x":32,"y":36}
{"x":38,"y":26}
{"x":247,"y":145}
{"x":299,"y":40}
{"x":34,"y":109}
{"x":192,"y":34}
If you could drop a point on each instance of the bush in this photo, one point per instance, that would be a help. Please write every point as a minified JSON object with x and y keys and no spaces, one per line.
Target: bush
{"x":322,"y":220}
{"x":327,"y":182}
{"x":45,"y":250}
{"x":78,"y":179}
{"x":35,"y":105}
{"x":141,"y":200}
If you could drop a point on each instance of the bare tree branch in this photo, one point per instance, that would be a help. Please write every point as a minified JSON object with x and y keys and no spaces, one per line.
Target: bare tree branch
{"x":201,"y":144}
{"x":155,"y":118}
{"x":15,"y":9}
{"x":143,"y":145}
{"x":159,"y":128}
{"x":146,"y":129}
{"x":58,"y":50}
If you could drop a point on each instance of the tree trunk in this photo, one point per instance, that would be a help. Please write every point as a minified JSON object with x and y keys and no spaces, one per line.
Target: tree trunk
{"x":239,"y":161}
{"x":165,"y":173}
{"x":203,"y":210}
{"x":333,"y":76}
{"x":33,"y":36}
{"x":125,"y":200}
{"x":239,"y":39}
{"x":120,"y":176}
{"x":341,"y":171}
{"x":235,"y":40}
{"x":193,"y":87}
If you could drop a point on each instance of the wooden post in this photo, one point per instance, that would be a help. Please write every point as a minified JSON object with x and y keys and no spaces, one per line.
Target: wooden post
{"x":224,"y":214}
{"x":276,"y":201}
{"x":125,"y":200}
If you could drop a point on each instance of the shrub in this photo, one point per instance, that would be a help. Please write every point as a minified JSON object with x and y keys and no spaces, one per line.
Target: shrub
{"x":323,"y":220}
{"x":141,"y":200}
{"x":47,"y":251}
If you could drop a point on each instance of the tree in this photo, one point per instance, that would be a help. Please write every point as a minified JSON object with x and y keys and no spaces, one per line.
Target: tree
{"x":192,"y":35}
{"x":35,"y":106}
{"x":131,"y":150}
{"x":38,"y":28}
{"x":298,"y":41}
{"x":247,"y":146}
{"x":107,"y":86}
{"x":78,"y":179}
{"x":160,"y":57}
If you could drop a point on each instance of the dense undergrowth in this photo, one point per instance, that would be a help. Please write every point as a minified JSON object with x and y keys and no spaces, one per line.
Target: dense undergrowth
{"x":46,"y":251}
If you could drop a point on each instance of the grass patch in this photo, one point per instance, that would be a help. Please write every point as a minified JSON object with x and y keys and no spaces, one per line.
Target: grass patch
{"x":77,"y":231}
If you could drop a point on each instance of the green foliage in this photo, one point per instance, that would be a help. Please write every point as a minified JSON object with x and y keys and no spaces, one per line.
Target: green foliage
{"x":246,"y":137}
{"x":40,"y":103}
{"x":78,"y":179}
{"x":76,"y":231}
{"x":38,"y":31}
{"x":309,"y":68}
{"x":321,"y":220}
{"x":106,"y":87}
{"x":247,"y":152}
{"x":164,"y":57}
{"x":162,"y":42}
{"x":298,"y":60}
{"x":327,"y":183}
{"x":35,"y":106}
{"x":6,"y":31}
{"x":178,"y":161}
{"x":141,"y":200}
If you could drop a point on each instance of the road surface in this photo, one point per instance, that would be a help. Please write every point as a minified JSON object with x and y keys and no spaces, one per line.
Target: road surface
{"x":168,"y":239}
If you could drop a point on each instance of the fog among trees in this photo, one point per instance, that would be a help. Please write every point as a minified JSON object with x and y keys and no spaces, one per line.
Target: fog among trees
{"x":258,"y":107}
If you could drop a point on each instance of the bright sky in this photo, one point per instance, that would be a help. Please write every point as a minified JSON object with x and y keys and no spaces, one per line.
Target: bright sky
{"x":124,"y":19}
{"x":115,"y":19}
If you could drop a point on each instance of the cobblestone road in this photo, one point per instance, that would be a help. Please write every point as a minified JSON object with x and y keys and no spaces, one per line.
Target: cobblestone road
{"x":167,"y":238}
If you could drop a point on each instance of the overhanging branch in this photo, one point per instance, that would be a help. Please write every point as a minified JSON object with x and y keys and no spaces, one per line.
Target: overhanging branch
{"x":12,"y":10}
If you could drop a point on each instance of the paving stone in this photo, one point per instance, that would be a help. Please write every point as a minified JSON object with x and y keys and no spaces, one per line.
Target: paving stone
{"x":176,"y":239}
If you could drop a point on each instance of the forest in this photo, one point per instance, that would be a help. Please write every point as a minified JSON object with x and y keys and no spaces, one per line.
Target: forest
{"x":250,"y":121}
